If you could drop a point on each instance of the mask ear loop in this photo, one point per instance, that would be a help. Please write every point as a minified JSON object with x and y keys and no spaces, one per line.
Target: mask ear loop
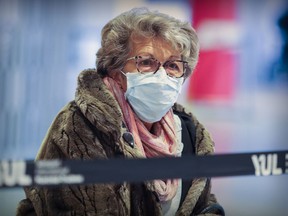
{"x":123,"y":72}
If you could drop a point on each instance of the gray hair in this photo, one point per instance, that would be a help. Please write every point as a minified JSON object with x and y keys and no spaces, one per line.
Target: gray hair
{"x":117,"y":33}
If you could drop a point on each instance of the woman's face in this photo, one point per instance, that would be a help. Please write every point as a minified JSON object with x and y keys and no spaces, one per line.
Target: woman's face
{"x":156,"y":48}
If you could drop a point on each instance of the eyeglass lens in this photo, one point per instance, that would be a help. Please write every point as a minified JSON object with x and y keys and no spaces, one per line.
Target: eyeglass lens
{"x":173,"y":68}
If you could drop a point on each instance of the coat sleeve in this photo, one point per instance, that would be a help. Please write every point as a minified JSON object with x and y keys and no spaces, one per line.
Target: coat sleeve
{"x":71,"y":137}
{"x":203,"y":203}
{"x":207,"y":203}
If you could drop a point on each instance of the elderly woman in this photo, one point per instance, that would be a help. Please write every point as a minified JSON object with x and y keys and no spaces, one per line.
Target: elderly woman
{"x":142,"y":63}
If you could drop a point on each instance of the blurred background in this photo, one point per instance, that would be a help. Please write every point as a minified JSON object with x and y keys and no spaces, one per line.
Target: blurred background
{"x":238,"y":90}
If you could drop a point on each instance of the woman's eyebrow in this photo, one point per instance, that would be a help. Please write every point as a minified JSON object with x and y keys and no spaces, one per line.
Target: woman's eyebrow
{"x":175,"y":57}
{"x":172,"y":57}
{"x":146,"y":54}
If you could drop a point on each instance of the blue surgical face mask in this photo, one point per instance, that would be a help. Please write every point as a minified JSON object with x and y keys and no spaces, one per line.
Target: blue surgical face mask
{"x":152,"y":95}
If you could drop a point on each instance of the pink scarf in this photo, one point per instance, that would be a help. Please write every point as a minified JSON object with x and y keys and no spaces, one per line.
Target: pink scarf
{"x":161,"y":143}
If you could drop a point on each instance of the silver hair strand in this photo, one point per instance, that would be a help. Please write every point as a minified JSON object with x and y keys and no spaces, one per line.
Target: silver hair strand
{"x":116,"y":37}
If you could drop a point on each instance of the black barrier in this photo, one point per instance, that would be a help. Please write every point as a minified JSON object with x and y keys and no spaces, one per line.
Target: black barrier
{"x":57,"y":172}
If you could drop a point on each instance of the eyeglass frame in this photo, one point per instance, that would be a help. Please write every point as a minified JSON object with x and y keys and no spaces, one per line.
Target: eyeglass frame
{"x":185,"y":66}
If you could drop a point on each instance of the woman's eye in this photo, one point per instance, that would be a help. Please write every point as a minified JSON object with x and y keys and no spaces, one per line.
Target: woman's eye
{"x":173,"y":66}
{"x":146,"y":62}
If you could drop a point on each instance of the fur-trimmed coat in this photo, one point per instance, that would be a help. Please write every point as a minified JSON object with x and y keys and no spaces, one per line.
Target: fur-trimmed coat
{"x":90,"y":127}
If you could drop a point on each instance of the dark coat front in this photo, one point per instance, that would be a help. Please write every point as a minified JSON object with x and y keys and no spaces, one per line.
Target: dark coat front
{"x":90,"y":127}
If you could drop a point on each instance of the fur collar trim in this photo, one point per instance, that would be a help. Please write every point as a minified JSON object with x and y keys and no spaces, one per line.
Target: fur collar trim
{"x":98,"y":104}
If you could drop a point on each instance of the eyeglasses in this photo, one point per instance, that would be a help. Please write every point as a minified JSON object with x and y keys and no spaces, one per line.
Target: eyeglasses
{"x":173,"y":68}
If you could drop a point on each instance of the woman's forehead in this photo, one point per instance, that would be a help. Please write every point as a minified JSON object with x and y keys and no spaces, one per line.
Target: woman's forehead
{"x":153,"y":46}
